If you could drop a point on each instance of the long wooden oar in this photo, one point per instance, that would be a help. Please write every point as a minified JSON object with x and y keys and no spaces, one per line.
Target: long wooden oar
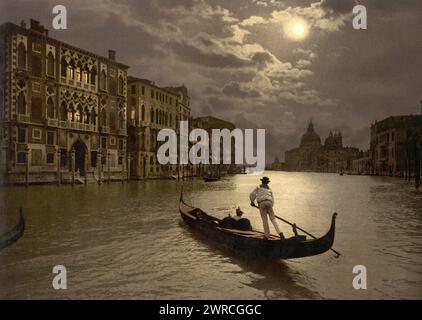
{"x":296,"y":227}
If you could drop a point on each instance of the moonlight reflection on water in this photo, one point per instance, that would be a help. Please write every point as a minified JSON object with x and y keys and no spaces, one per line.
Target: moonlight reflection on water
{"x":128,"y":240}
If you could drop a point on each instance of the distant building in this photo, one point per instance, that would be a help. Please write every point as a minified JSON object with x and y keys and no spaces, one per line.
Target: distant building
{"x":62,"y":110}
{"x":152,"y":108}
{"x":312,"y":155}
{"x":396,"y":146}
{"x":277,"y":165}
{"x":209,"y":123}
{"x":362,"y":165}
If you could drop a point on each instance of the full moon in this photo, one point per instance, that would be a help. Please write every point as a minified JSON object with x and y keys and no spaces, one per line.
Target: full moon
{"x":296,"y":29}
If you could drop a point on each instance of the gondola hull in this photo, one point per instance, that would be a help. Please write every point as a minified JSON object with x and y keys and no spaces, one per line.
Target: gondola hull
{"x":253,"y":242}
{"x":15,"y":234}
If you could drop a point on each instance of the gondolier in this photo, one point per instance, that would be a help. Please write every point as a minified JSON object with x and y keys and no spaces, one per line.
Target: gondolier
{"x":264,"y":196}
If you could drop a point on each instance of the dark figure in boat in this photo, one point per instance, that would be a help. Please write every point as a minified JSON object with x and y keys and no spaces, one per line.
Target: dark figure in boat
{"x":236,"y":222}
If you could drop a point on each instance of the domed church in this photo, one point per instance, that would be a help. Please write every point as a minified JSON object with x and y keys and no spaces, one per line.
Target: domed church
{"x":310,"y":138}
{"x":311,"y":155}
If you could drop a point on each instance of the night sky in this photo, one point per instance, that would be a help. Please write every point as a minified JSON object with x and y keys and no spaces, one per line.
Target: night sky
{"x":241,"y":62}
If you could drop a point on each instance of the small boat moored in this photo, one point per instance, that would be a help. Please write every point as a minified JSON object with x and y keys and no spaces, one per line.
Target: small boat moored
{"x":211,"y":178}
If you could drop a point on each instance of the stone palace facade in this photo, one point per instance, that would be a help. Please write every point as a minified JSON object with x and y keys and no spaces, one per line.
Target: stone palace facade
{"x":68,"y":115}
{"x":62,"y":110}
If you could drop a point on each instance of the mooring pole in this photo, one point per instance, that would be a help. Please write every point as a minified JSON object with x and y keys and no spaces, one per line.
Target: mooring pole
{"x":58,"y":167}
{"x":27,"y":167}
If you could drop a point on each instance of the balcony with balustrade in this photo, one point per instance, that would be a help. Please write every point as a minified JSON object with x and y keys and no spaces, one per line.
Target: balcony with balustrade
{"x":52,"y":123}
{"x":105,"y":129}
{"x":24,"y":118}
{"x":79,"y":126}
{"x":122,"y":132}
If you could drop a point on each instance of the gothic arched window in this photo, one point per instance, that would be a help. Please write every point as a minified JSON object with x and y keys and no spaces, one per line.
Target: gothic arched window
{"x":71,"y":113}
{"x":103,"y":80}
{"x":143,"y":113}
{"x":50,"y":64}
{"x":112,"y":121}
{"x":79,"y":114}
{"x":87,"y":115}
{"x":152,"y":115}
{"x":21,"y":103}
{"x":93,"y":117}
{"x":85,"y":74}
{"x":21,"y":56}
{"x":79,"y":72}
{"x":71,"y":70}
{"x":63,"y":67}
{"x":50,"y":108}
{"x":63,"y":112}
{"x":93,"y":76}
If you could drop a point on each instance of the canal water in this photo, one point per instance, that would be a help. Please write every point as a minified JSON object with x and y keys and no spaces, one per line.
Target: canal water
{"x":127,"y":241}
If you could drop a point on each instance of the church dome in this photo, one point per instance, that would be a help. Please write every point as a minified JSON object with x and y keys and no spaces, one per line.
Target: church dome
{"x":310,"y":138}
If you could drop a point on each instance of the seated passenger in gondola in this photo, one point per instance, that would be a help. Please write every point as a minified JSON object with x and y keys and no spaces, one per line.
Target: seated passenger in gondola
{"x":236,"y":222}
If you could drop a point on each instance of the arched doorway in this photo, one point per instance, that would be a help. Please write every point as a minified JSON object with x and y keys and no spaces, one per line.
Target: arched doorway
{"x":80,"y":150}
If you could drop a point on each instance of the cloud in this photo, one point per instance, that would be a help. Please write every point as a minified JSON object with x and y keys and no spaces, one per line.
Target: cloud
{"x":238,"y":65}
{"x":326,"y":15}
{"x":233,"y":89}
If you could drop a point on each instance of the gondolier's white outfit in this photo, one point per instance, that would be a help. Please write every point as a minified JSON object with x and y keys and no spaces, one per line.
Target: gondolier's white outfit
{"x":264,"y":197}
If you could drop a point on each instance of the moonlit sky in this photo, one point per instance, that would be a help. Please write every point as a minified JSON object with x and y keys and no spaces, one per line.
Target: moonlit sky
{"x":239,"y":62}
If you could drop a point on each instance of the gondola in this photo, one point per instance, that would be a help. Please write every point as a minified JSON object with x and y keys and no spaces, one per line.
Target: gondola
{"x":253,"y":242}
{"x":15,"y":234}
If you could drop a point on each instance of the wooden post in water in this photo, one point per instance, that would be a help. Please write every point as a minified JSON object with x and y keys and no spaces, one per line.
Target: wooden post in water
{"x":27,"y":167}
{"x":418,"y":151}
{"x":123,"y":170}
{"x":59,"y":178}
{"x":86,"y":167}
{"x":108,"y":167}
{"x":128,"y":166}
{"x":72,"y":160}
{"x":99,"y":167}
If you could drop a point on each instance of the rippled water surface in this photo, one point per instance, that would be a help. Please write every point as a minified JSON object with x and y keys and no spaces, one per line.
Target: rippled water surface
{"x":128,"y":240}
